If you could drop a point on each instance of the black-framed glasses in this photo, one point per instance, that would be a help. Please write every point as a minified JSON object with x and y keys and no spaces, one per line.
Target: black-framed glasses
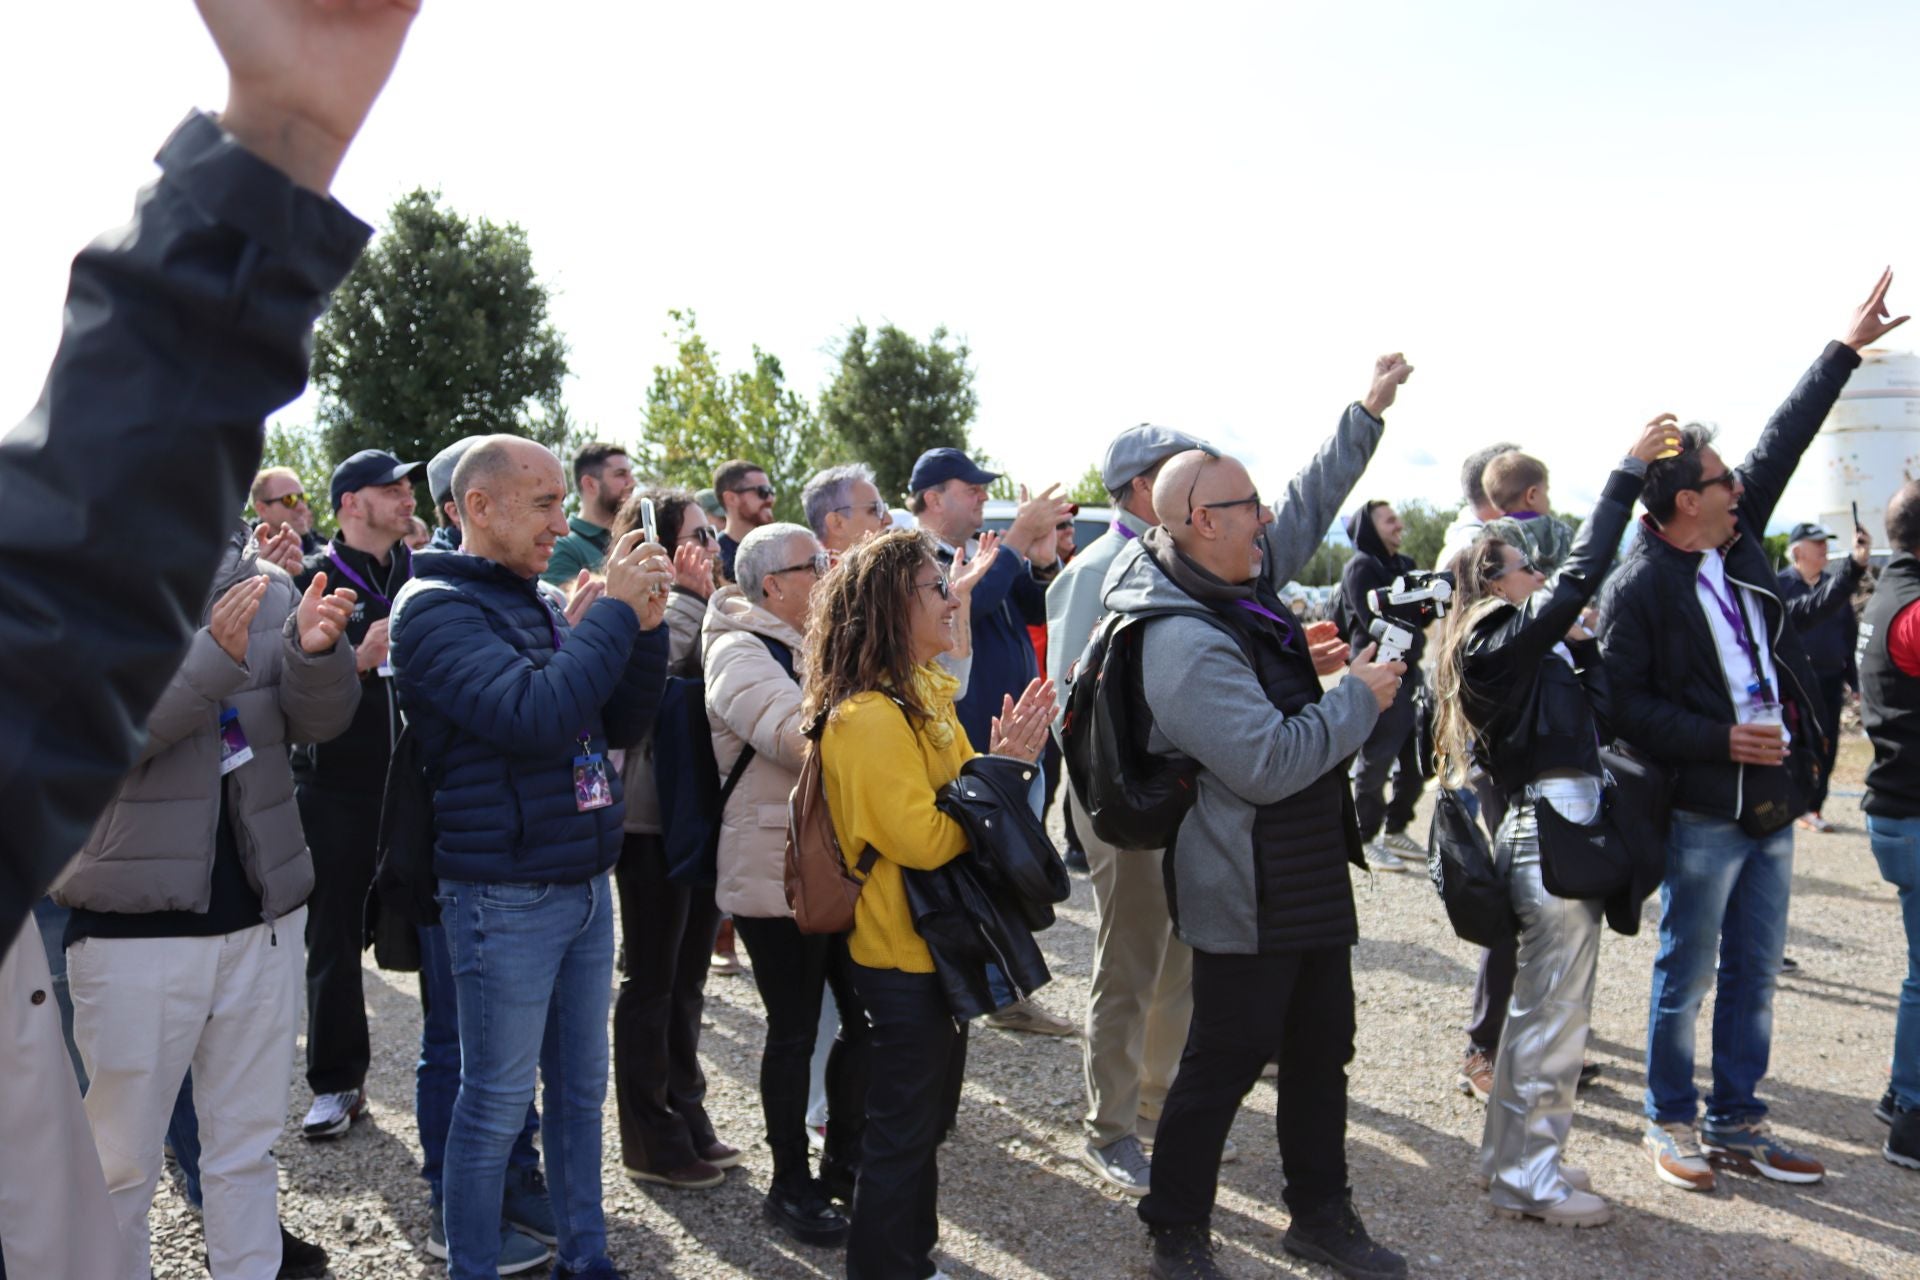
{"x":1192,"y":506}
{"x":704,"y":535}
{"x":764,"y":490}
{"x":1707,"y":482}
{"x":877,"y":509}
{"x":1524,"y":565}
{"x":818,"y":562}
{"x":287,"y":500}
{"x":939,"y":585}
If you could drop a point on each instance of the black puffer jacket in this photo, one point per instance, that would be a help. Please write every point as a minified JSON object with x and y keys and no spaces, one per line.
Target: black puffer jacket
{"x":1372,"y":566}
{"x":1670,"y":694}
{"x":984,"y":906}
{"x":1530,"y":711}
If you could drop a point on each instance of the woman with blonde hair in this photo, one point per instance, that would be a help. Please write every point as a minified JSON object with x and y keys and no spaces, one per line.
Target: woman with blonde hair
{"x":889,"y":741}
{"x":1522,"y":694}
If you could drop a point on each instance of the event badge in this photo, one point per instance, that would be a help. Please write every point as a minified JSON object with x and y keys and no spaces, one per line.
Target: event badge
{"x":234,"y":750}
{"x":592,"y":785}
{"x":385,"y":669}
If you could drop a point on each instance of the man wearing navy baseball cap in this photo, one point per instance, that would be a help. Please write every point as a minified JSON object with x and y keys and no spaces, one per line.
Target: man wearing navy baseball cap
{"x":339,"y":784}
{"x":1819,"y":604}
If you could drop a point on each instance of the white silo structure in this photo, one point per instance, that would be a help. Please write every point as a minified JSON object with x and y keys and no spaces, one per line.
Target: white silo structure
{"x":1867,"y":447}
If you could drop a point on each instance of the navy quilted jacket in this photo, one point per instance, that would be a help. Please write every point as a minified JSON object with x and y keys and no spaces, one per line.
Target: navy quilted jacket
{"x":500,"y":713}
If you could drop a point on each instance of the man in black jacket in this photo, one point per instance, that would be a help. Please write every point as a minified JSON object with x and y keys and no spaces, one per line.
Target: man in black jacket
{"x":1376,"y":530}
{"x":1821,"y":606}
{"x":1709,"y":679}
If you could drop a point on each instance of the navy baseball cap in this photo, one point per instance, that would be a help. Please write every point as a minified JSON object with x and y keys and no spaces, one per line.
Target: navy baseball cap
{"x":937,"y":466}
{"x":1807,"y":531}
{"x":368,"y":467}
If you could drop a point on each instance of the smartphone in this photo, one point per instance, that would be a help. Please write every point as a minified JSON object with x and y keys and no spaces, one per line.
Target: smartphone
{"x":1856,"y":515}
{"x":647,"y":525}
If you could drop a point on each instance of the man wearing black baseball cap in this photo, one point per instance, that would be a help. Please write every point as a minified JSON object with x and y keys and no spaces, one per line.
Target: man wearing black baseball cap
{"x":1819,"y":604}
{"x":339,"y":784}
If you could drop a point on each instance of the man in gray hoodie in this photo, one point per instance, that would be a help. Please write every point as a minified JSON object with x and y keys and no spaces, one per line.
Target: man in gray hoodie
{"x":1258,"y":885}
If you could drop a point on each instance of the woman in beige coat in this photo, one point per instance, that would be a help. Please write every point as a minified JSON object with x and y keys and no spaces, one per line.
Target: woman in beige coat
{"x":752,"y":639}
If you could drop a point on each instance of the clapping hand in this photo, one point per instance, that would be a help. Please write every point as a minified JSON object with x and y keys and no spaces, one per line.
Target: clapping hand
{"x":1328,"y":649}
{"x":1020,"y":730}
{"x":232,"y":615}
{"x":966,"y":574}
{"x":282,"y":548}
{"x":1870,"y":322}
{"x":693,"y":568}
{"x":1032,"y":532}
{"x":1389,"y":371}
{"x":586,"y":589}
{"x":322,"y":617}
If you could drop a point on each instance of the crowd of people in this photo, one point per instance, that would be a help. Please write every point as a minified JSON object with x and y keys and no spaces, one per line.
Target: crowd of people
{"x":472,"y":748}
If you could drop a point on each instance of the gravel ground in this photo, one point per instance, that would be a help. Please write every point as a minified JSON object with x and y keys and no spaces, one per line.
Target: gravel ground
{"x":1015,"y":1202}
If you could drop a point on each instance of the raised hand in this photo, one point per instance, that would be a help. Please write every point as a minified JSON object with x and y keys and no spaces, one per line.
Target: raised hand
{"x":1020,"y":730}
{"x":232,"y":615}
{"x":302,"y":75}
{"x":638,"y":575}
{"x":1862,"y":546}
{"x":1031,"y":533}
{"x":693,"y":568}
{"x":282,"y":547}
{"x":322,"y":617}
{"x":1659,"y":439}
{"x":1870,"y":323}
{"x":1389,"y":371}
{"x":1381,"y":678}
{"x":1328,"y":649}
{"x":580,"y":597}
{"x":966,"y":574}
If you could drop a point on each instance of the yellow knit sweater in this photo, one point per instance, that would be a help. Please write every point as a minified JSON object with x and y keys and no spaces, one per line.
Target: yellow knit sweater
{"x":881,"y":776}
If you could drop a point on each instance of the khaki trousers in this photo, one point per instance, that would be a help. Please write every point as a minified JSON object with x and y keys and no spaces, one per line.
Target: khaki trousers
{"x":1142,"y":994}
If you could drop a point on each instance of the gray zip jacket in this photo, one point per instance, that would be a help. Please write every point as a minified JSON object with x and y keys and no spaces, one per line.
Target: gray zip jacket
{"x":1208,"y":705}
{"x":152,"y":850}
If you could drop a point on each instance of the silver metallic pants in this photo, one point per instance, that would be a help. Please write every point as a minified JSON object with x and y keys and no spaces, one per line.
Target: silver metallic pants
{"x":1538,"y":1065}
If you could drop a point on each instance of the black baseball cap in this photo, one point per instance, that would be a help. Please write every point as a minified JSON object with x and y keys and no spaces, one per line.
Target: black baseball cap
{"x":369,"y":467}
{"x":937,"y":466}
{"x":1807,"y":531}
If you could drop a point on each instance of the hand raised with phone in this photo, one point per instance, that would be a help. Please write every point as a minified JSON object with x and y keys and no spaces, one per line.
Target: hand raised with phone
{"x":639,"y":575}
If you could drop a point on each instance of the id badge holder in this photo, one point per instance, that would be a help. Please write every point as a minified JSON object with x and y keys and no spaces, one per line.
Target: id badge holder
{"x":234,"y":750}
{"x":384,"y":670}
{"x":592,"y":783}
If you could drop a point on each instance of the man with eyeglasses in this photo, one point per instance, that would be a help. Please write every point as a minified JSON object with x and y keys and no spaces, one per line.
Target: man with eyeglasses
{"x":1708,"y":679}
{"x":843,"y":506}
{"x":284,"y":522}
{"x":747,"y":498}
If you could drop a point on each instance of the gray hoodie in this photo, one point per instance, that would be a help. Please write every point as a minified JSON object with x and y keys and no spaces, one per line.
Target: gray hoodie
{"x":1208,"y":705}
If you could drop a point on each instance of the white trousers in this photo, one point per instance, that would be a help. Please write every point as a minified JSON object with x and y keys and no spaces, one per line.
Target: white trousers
{"x":54,"y":1215}
{"x":146,"y":1009}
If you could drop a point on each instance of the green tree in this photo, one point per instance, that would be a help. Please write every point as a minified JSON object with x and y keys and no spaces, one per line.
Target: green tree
{"x":895,"y":397}
{"x":1323,"y":567}
{"x":301,"y":448}
{"x":698,"y":416}
{"x":1090,"y":490}
{"x":1426,"y":529}
{"x":440,"y":331}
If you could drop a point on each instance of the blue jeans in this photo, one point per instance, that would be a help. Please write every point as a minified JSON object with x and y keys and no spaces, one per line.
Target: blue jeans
{"x":1896,"y":847}
{"x":533,"y":978}
{"x":1725,"y":898}
{"x":437,"y":1077}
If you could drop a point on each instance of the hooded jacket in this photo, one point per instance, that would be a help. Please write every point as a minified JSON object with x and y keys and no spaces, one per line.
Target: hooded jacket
{"x":752,"y":700}
{"x":1232,"y":893}
{"x":153,"y":849}
{"x":1670,"y":695}
{"x":501,"y":709}
{"x":1372,"y":566}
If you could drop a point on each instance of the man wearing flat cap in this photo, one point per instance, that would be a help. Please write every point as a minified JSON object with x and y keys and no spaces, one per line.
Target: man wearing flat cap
{"x":1819,"y":603}
{"x":339,"y":783}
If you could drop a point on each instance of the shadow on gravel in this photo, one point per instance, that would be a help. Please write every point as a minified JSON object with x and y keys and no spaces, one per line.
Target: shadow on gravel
{"x":1823,"y":888}
{"x":1414,"y":959}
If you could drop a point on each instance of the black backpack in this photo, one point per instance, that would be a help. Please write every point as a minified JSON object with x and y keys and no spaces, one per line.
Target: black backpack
{"x":1135,"y":800}
{"x":1460,"y":864}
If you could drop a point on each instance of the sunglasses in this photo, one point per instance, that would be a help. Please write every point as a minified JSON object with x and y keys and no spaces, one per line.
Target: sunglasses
{"x":817,"y":562}
{"x":1707,"y":482}
{"x":939,"y":585}
{"x":287,"y":500}
{"x":1524,"y":566}
{"x":1063,"y":526}
{"x":764,"y":490}
{"x":704,"y":535}
{"x":877,"y":509}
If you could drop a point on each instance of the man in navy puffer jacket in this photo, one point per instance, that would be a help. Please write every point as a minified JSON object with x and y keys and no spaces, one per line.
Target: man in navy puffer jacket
{"x":516,"y":713}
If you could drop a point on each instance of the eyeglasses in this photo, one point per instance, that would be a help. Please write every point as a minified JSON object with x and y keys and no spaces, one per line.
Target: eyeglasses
{"x":877,"y":509}
{"x":938,"y":585}
{"x":1193,"y":506}
{"x":287,"y":500}
{"x":764,"y":490}
{"x":818,"y":562}
{"x":1522,"y":566}
{"x":1063,"y":526}
{"x":704,"y":535}
{"x":1707,"y":482}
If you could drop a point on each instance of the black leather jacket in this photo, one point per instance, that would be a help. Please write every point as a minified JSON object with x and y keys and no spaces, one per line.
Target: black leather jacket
{"x":183,"y":331}
{"x":1530,"y":711}
{"x":984,"y":906}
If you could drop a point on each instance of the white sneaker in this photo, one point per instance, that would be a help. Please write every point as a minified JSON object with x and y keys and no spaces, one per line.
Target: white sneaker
{"x":1404,"y":845}
{"x":332,"y":1114}
{"x":1381,"y":858}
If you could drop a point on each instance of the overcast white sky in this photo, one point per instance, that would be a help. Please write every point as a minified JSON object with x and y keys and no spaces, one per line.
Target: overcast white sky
{"x":1213,"y":216}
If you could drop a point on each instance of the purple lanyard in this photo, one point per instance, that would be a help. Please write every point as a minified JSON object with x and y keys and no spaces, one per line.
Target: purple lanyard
{"x":1254,"y":606}
{"x":1120,"y":527}
{"x":1737,"y":619}
{"x":559,"y":642}
{"x":357,"y":580}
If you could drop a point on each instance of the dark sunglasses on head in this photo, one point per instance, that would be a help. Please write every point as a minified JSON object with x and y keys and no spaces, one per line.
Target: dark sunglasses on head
{"x":287,"y":500}
{"x":764,"y":490}
{"x":939,"y":585}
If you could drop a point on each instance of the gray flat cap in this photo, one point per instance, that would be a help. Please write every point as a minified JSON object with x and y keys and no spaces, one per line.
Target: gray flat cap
{"x":1138,"y":450}
{"x":440,"y":470}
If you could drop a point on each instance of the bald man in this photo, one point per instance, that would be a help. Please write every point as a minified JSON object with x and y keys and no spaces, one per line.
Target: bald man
{"x":1259,"y":887}
{"x":517,"y":711}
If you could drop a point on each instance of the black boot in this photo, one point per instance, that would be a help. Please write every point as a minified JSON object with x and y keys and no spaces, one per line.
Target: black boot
{"x":838,"y":1179}
{"x":1903,"y":1141}
{"x":300,"y":1260}
{"x":805,"y":1212}
{"x":1331,"y":1232}
{"x":1184,"y":1253}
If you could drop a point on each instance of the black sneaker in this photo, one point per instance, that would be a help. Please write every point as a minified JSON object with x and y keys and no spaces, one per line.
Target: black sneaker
{"x":1184,"y":1253}
{"x":1884,"y":1110}
{"x":1331,"y":1232}
{"x":807,"y":1214}
{"x":300,"y":1260}
{"x":1903,"y":1140}
{"x":1076,"y":860}
{"x":1589,"y":1072}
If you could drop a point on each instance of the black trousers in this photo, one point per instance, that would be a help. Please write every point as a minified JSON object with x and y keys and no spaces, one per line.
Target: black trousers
{"x":1833,"y":693}
{"x":919,"y":1057}
{"x":1297,"y":1007}
{"x":794,"y":970}
{"x":667,"y":930}
{"x":1493,"y":985}
{"x":1391,"y":743}
{"x":341,"y":828}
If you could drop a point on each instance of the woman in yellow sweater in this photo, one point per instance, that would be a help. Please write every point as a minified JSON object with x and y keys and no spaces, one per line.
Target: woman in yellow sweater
{"x":891,"y":741}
